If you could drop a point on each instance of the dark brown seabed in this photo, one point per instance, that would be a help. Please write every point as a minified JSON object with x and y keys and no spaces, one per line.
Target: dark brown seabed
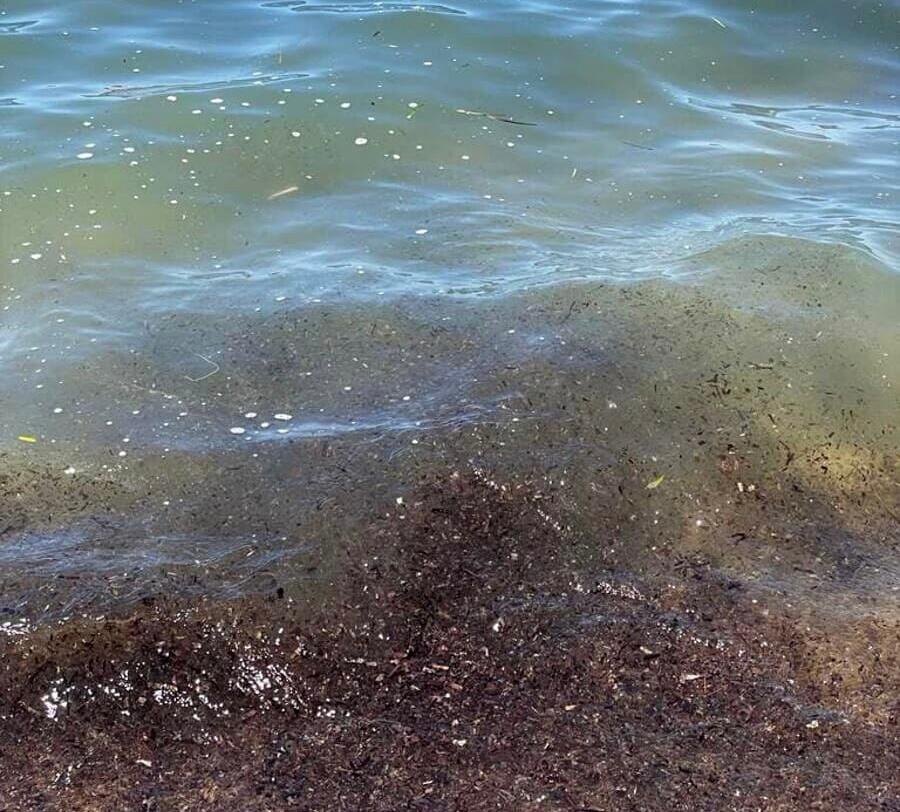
{"x":541,"y":622}
{"x":471,"y":662}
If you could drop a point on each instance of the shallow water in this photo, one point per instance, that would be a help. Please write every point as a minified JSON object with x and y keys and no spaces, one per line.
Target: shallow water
{"x":417,"y":405}
{"x":262,"y":265}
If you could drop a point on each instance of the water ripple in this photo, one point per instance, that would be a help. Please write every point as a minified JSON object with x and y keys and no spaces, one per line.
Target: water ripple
{"x":143,"y":91}
{"x":15,"y":27}
{"x":808,"y":121}
{"x":361,"y":8}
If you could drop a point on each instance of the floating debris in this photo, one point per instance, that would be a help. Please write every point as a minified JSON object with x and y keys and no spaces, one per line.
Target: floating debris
{"x":495,"y":117}
{"x":282,"y":192}
{"x":208,"y":374}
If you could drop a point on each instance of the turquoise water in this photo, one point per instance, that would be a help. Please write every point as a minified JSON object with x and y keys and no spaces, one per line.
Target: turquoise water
{"x":368,"y":217}
{"x":655,"y":130}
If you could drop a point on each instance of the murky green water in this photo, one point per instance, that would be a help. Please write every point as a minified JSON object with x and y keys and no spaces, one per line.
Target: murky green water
{"x":264,"y":265}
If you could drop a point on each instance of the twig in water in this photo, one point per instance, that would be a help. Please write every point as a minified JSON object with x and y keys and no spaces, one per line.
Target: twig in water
{"x":208,"y":374}
{"x":568,"y":313}
{"x":496,"y":117}
{"x":283,"y":192}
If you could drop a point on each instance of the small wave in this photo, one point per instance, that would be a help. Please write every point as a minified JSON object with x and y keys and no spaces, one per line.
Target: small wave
{"x":15,"y":27}
{"x":805,"y":121}
{"x":140,"y":91}
{"x":361,"y":8}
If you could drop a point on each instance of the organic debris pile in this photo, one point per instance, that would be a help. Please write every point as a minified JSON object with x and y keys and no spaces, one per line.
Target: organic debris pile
{"x":475,"y":660}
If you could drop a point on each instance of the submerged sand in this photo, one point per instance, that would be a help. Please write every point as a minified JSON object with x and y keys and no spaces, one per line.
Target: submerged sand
{"x":467,"y":661}
{"x":591,"y":547}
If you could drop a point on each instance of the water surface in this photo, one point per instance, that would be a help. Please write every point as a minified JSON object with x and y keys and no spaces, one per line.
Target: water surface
{"x":264,"y":264}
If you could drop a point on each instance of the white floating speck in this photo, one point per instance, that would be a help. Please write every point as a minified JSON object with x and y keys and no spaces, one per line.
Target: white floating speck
{"x":282,"y":416}
{"x":421,"y":231}
{"x":83,"y":156}
{"x":250,"y":415}
{"x":237,"y":430}
{"x":360,"y":141}
{"x":171,"y":98}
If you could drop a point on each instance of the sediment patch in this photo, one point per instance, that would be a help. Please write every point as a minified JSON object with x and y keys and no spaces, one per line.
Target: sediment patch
{"x":465,"y":658}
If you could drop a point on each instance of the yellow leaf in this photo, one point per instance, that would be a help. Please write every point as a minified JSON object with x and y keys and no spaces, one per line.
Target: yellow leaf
{"x":25,"y":438}
{"x":655,"y":483}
